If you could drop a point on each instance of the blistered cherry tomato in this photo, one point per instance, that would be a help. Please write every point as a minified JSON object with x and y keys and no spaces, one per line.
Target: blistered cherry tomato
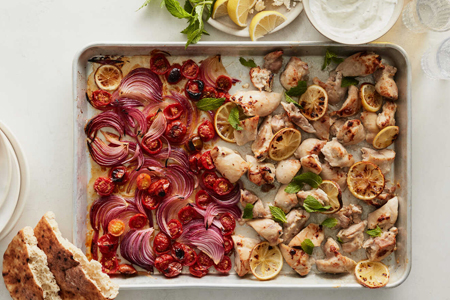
{"x":127,"y":269}
{"x":175,"y":228}
{"x":197,"y":271}
{"x":143,"y":181}
{"x":107,"y":244}
{"x":175,"y":131}
{"x":207,"y":161}
{"x":166,"y":265}
{"x":228,"y":222}
{"x":161,"y":243}
{"x":116,"y":227}
{"x":184,"y":254}
{"x":104,"y":186}
{"x":152,"y":146}
{"x":204,"y":261}
{"x":173,"y":111}
{"x":202,"y":199}
{"x":228,"y":244}
{"x":194,"y":89}
{"x":224,"y":83}
{"x":150,"y":118}
{"x":174,"y":269}
{"x":100,"y":99}
{"x":190,"y":69}
{"x":209,"y":179}
{"x":222,"y":186}
{"x":159,"y":188}
{"x":187,"y":214}
{"x":194,"y":144}
{"x":137,"y":221}
{"x":110,"y":264}
{"x":173,"y":75}
{"x":206,"y":131}
{"x":224,"y":266}
{"x":159,"y":64}
{"x":209,"y":92}
{"x":195,"y":164}
{"x":119,"y":174}
{"x":150,"y":201}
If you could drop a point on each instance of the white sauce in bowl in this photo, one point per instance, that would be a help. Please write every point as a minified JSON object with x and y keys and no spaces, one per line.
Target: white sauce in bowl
{"x":353,"y":18}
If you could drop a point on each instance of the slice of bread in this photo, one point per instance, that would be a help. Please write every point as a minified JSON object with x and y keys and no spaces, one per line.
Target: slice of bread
{"x":77,"y":277}
{"x":25,"y":270}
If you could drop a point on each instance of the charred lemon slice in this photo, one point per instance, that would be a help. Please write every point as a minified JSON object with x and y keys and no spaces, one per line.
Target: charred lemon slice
{"x":365,"y":180}
{"x":372,"y":274}
{"x":333,"y":191}
{"x":284,"y":143}
{"x":385,"y":137}
{"x":221,"y":124}
{"x":314,"y":102}
{"x":266,"y":261}
{"x":108,"y":77}
{"x":370,"y":99}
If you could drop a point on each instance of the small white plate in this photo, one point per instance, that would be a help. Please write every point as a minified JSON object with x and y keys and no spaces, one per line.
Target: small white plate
{"x":225,"y":24}
{"x":5,"y":171}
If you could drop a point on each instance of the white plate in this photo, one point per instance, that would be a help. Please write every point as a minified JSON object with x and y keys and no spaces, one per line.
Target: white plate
{"x":5,"y":171}
{"x":226,"y":25}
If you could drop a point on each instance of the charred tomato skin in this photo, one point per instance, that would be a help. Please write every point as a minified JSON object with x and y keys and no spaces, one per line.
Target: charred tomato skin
{"x":197,"y":271}
{"x":149,"y":201}
{"x":175,"y":131}
{"x":194,"y":89}
{"x":161,"y":243}
{"x":159,"y":188}
{"x":107,"y":243}
{"x":195,"y":164}
{"x":119,"y":174}
{"x":224,"y":83}
{"x":209,"y":92}
{"x":174,"y":75}
{"x":159,"y":64}
{"x":127,"y":269}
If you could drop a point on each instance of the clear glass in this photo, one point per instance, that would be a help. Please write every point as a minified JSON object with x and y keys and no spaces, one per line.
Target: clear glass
{"x":424,"y":15}
{"x":436,"y":60}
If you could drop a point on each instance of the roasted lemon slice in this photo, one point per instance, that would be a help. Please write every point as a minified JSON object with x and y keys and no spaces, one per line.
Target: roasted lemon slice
{"x":333,"y":191}
{"x":314,"y":102}
{"x":265,"y":261}
{"x":365,"y":180}
{"x":284,"y":143}
{"x":264,"y":22}
{"x":385,"y":137}
{"x":221,"y":124}
{"x":108,"y":77}
{"x":370,"y":99}
{"x":220,"y":9}
{"x":238,"y":11}
{"x":372,"y":274}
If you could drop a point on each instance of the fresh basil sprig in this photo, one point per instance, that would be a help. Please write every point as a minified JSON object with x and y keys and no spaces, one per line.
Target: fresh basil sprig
{"x":233,"y":119}
{"x":348,"y":81}
{"x":278,"y":214}
{"x":247,"y":63}
{"x":207,"y":104}
{"x":374,"y":232}
{"x":290,"y":100}
{"x":298,"y":90}
{"x":248,"y":211}
{"x":297,"y":183}
{"x":312,"y":205}
{"x":308,"y":246}
{"x":330,"y":222}
{"x":331,"y":57}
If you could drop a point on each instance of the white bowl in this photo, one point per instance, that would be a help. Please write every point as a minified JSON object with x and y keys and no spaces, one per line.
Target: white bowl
{"x":351,"y":40}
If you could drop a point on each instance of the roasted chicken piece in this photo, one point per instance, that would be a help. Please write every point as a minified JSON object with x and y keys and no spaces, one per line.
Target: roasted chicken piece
{"x":319,"y":194}
{"x":229,"y":163}
{"x":385,"y":196}
{"x":295,"y":221}
{"x":268,"y":229}
{"x":284,"y":200}
{"x":247,"y":197}
{"x":369,"y":120}
{"x":387,"y":116}
{"x":260,"y":211}
{"x":311,"y":163}
{"x":286,"y":170}
{"x":352,"y":104}
{"x":348,"y":215}
{"x":262,"y":79}
{"x":274,"y":61}
{"x":260,"y":173}
{"x":385,"y":217}
{"x":336,"y":174}
{"x":248,"y":132}
{"x":336,"y":155}
{"x":385,"y":84}
{"x":336,"y":125}
{"x":255,"y":103}
{"x":336,"y":93}
{"x":295,"y":71}
{"x":382,"y":246}
{"x":297,"y":259}
{"x":359,"y":64}
{"x":353,"y":237}
{"x":334,"y":262}
{"x":296,"y":117}
{"x":243,"y":247}
{"x":260,"y":146}
{"x":351,"y":133}
{"x":314,"y":232}
{"x":382,"y":158}
{"x":308,"y":147}
{"x":281,"y":121}
{"x":322,"y":127}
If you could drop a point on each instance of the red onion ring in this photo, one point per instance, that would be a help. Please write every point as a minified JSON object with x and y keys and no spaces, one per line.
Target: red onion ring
{"x":211,"y":68}
{"x":140,"y":84}
{"x":134,"y":119}
{"x":191,"y":114}
{"x":105,"y":155}
{"x":135,"y":247}
{"x":104,"y":119}
{"x":213,"y":210}
{"x":228,"y":200}
{"x":169,"y":210}
{"x":157,"y":128}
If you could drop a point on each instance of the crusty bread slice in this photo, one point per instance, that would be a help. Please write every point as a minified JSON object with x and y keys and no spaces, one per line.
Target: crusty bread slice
{"x":77,"y":277}
{"x":25,"y":270}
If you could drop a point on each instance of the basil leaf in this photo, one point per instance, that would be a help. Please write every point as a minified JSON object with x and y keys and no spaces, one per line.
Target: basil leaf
{"x":144,"y":5}
{"x":298,"y":90}
{"x":248,"y":211}
{"x":312,"y":205}
{"x":293,"y":187}
{"x":277,"y":214}
{"x":210,"y":103}
{"x":174,"y":7}
{"x":339,"y":240}
{"x":310,"y":178}
{"x":330,"y":222}
{"x":308,"y":246}
{"x":374,"y":232}
{"x":348,"y":81}
{"x":290,"y":100}
{"x":247,"y":63}
{"x":233,"y":119}
{"x":331,"y":57}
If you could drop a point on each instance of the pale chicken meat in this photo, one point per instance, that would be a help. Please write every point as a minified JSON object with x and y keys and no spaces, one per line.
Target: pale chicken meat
{"x":296,"y":117}
{"x":274,"y":61}
{"x":335,"y":174}
{"x":230,"y":164}
{"x":281,"y":121}
{"x":314,"y":232}
{"x":385,"y":84}
{"x":295,"y":221}
{"x":353,"y":237}
{"x":385,"y":196}
{"x":380,"y":247}
{"x":369,"y":120}
{"x":268,"y":229}
{"x":284,"y":200}
{"x":247,"y":197}
{"x":308,"y":147}
{"x":260,"y":211}
{"x":311,"y":163}
{"x":248,"y":132}
{"x":384,"y":217}
{"x":382,"y":158}
{"x":336,"y":126}
{"x":387,"y":116}
{"x":242,"y":247}
{"x":322,"y":127}
{"x":336,"y":93}
{"x":348,"y":215}
{"x":297,"y":259}
{"x":319,"y":194}
{"x":262,"y":79}
{"x":359,"y":64}
{"x":260,"y":173}
{"x":286,"y":170}
{"x":260,"y":146}
{"x":352,"y":104}
{"x":334,"y":261}
{"x":336,"y":155}
{"x":256,"y":103}
{"x":351,"y":133}
{"x":295,"y":71}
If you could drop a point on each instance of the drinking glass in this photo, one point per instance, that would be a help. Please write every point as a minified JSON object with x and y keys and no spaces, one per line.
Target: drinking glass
{"x":436,"y":60}
{"x":423,"y":15}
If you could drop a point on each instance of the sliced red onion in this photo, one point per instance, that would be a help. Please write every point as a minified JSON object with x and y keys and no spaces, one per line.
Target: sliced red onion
{"x":102,"y":208}
{"x":202,"y":212}
{"x":180,"y":156}
{"x":136,"y":248}
{"x":165,"y":152}
{"x":138,"y":201}
{"x":107,"y":156}
{"x":134,"y":119}
{"x":140,"y":84}
{"x":211,"y":68}
{"x":228,"y":200}
{"x":137,"y":154}
{"x":94,"y":245}
{"x":214,"y":209}
{"x":169,"y":210}
{"x":102,"y":120}
{"x":126,"y":103}
{"x":191,"y":114}
{"x":157,"y":128}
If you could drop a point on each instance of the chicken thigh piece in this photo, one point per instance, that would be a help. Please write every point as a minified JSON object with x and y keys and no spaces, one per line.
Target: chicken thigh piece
{"x":287,"y":169}
{"x":262,"y":79}
{"x":336,"y":174}
{"x":295,"y":221}
{"x":353,"y":237}
{"x":260,"y":211}
{"x":248,"y":132}
{"x":281,"y":121}
{"x":297,"y":259}
{"x":295,"y":71}
{"x":359,"y":64}
{"x":296,"y":117}
{"x":322,"y":127}
{"x":352,"y":104}
{"x":385,"y":84}
{"x":336,"y":125}
{"x":247,"y":197}
{"x":268,"y":229}
{"x":274,"y":61}
{"x":260,"y":173}
{"x":385,"y":196}
{"x":314,"y":232}
{"x":348,"y":215}
{"x":284,"y":200}
{"x":382,"y":246}
{"x":351,"y":133}
{"x":369,"y":120}
{"x":311,"y":163}
{"x":336,"y":155}
{"x":385,"y":217}
{"x":387,"y":116}
{"x":229,"y":163}
{"x":334,"y":262}
{"x":308,"y":147}
{"x":319,"y":194}
{"x":260,"y":146}
{"x":382,"y":158}
{"x":256,"y":103}
{"x":336,"y":93}
{"x":243,"y":247}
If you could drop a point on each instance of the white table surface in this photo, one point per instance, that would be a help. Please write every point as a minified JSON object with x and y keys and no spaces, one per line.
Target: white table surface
{"x":38,"y":42}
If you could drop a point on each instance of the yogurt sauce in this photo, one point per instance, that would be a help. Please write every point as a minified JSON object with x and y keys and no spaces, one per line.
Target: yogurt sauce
{"x":352,"y":18}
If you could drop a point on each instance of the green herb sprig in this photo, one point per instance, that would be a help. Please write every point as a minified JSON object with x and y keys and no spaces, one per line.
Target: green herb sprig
{"x":298,"y":182}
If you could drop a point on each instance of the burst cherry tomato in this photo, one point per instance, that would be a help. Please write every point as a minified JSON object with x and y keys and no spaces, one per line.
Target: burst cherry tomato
{"x":159,"y":64}
{"x":202,"y":199}
{"x":149,"y":201}
{"x":175,"y":228}
{"x":127,"y":269}
{"x":190,"y":69}
{"x":194,"y":163}
{"x":209,"y":92}
{"x":152,"y":146}
{"x":206,"y":131}
{"x":209,"y":179}
{"x":187,"y":214}
{"x":100,"y":99}
{"x":204,"y":261}
{"x":143,"y":181}
{"x":166,"y":265}
{"x":223,"y":83}
{"x":194,"y":144}
{"x":194,"y":89}
{"x":207,"y":161}
{"x":175,"y":131}
{"x":107,"y":244}
{"x":110,"y":264}
{"x":224,"y":266}
{"x":228,"y":222}
{"x":197,"y":271}
{"x":228,"y":244}
{"x":137,"y":221}
{"x":116,"y":227}
{"x":159,"y":188}
{"x":104,"y":186}
{"x":184,"y":254}
{"x":173,"y":111}
{"x":222,"y":186}
{"x":119,"y":174}
{"x":161,"y":243}
{"x":173,"y":75}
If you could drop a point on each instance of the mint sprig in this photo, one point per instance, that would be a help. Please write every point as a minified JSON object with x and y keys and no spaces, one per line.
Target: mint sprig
{"x":308,"y":246}
{"x":331,"y":57}
{"x":374,"y":232}
{"x":298,"y":182}
{"x":233,"y":119}
{"x":207,"y":104}
{"x":247,"y":63}
{"x":330,"y":222}
{"x":311,"y":204}
{"x":348,"y":81}
{"x":278,"y":214}
{"x":248,"y":211}
{"x":298,"y":90}
{"x":290,"y":100}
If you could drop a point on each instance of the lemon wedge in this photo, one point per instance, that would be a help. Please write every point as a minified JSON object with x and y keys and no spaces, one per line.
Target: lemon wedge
{"x":372,"y":274}
{"x":385,"y":137}
{"x":314,"y":102}
{"x":238,"y":11}
{"x":365,"y":180}
{"x":265,"y":261}
{"x":220,"y":9}
{"x":264,"y":22}
{"x":284,"y":143}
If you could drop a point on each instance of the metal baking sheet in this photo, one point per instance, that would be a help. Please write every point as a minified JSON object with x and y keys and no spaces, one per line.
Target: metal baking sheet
{"x":313,"y":53}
